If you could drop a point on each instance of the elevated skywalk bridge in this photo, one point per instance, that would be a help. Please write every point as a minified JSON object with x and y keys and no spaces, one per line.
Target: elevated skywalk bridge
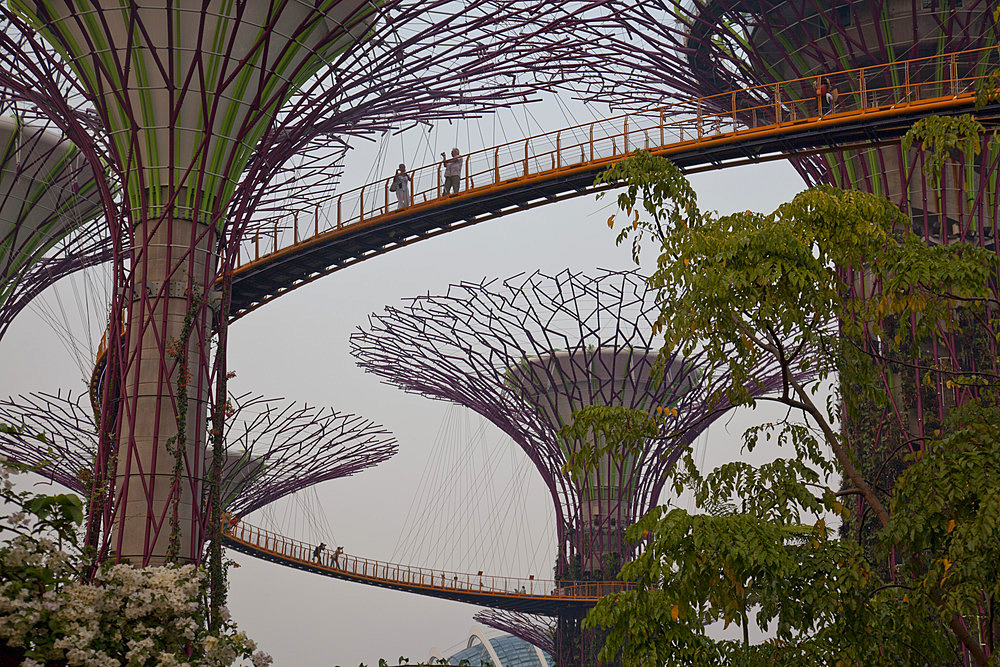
{"x":529,"y":595}
{"x":753,"y":124}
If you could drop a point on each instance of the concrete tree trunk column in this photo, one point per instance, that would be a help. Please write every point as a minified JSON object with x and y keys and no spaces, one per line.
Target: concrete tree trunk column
{"x":562,"y":382}
{"x":168,"y":270}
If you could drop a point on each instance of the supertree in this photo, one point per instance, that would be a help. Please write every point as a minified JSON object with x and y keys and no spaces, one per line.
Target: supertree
{"x":656,"y":51}
{"x":50,"y":211}
{"x":527,"y":352}
{"x":213,"y":115}
{"x":273,"y":448}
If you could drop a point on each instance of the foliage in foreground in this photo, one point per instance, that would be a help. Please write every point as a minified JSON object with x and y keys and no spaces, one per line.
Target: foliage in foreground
{"x":769,"y":559}
{"x":124,"y":616}
{"x":747,"y":286}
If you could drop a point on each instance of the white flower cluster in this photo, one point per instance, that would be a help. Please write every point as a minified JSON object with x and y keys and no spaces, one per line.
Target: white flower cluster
{"x":125,"y":617}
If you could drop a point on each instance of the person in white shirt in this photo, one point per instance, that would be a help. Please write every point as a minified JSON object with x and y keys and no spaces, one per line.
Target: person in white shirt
{"x":401,"y":186}
{"x":452,"y":171}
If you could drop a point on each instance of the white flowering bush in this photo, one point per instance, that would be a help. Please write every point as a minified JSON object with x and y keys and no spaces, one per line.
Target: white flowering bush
{"x":122,"y":616}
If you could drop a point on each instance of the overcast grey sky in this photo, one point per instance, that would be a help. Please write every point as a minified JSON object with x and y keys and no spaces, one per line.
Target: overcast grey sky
{"x":297,"y":348}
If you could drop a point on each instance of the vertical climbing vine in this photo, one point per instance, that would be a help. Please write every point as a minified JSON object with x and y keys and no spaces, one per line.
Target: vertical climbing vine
{"x":221,"y":409}
{"x":177,"y":444}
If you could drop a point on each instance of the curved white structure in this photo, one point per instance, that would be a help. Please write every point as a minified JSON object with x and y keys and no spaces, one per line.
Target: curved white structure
{"x":46,"y":191}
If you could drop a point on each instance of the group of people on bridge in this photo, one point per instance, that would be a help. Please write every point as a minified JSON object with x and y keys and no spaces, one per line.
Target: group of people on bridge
{"x":334,"y":558}
{"x":401,"y":182}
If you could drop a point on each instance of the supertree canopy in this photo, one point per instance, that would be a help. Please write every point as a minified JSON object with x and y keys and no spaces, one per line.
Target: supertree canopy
{"x":697,"y":48}
{"x":212,"y":115}
{"x":49,"y":212}
{"x":273,"y":448}
{"x":525,"y":353}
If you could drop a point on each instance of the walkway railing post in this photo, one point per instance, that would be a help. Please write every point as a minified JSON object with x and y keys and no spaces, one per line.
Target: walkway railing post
{"x":559,"y":149}
{"x":339,"y":219}
{"x":361,"y":197}
{"x":698,"y":119}
{"x":386,"y":198}
{"x":591,"y":142}
{"x":316,"y":219}
{"x":256,"y":245}
{"x":733,"y":104}
{"x":525,"y":158}
{"x":777,"y":104}
{"x":295,"y":221}
{"x":862,"y":91}
{"x":496,"y":166}
{"x":663,"y":140}
{"x":275,"y":235}
{"x":625,"y":147}
{"x":906,"y":80}
{"x":953,"y":74}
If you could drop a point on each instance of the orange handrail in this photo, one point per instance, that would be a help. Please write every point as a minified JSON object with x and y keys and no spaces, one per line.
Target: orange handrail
{"x":688,"y":123}
{"x":296,"y":552}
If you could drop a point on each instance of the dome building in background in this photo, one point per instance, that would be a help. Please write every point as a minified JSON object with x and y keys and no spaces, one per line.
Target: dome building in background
{"x":497,"y":651}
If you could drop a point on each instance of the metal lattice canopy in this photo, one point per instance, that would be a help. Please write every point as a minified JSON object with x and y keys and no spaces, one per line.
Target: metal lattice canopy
{"x":647,"y":53}
{"x":50,"y":212}
{"x":525,"y":353}
{"x":212,"y":117}
{"x":256,"y":102}
{"x":274,"y":448}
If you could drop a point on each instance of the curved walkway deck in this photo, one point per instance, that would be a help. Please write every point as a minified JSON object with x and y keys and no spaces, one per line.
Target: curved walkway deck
{"x":753,"y":124}
{"x":529,"y":595}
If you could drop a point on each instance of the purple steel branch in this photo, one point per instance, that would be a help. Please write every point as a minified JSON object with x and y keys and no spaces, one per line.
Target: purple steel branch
{"x":274,"y":448}
{"x":58,"y":436}
{"x":50,"y":210}
{"x":537,"y":630}
{"x":292,"y":447}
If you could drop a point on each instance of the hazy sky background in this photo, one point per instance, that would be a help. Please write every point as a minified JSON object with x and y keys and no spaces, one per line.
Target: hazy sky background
{"x":296,"y":347}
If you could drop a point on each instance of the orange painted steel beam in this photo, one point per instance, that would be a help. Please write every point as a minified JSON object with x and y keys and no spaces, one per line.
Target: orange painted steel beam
{"x":539,"y":596}
{"x":373,"y":232}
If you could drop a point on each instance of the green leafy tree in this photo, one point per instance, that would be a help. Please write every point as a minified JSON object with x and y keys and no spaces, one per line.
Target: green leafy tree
{"x":749,"y":286}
